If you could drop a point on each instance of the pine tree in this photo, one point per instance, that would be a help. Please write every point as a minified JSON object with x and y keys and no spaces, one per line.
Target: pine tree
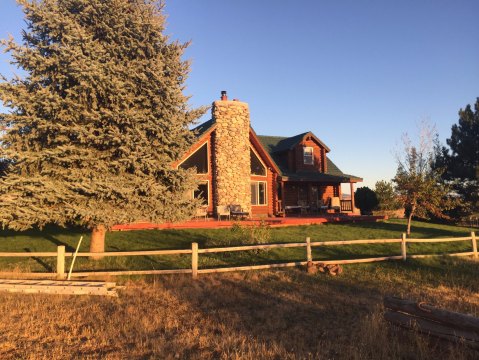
{"x":462,"y":163}
{"x":97,"y":121}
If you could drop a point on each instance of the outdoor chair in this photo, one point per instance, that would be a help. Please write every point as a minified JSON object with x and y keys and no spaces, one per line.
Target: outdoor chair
{"x":237,"y":211}
{"x":336,"y":204}
{"x":202,"y":212}
{"x":223,"y":210}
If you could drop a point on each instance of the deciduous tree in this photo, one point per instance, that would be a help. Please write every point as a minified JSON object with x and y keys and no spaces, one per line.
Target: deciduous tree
{"x":97,"y":120}
{"x":418,"y":184}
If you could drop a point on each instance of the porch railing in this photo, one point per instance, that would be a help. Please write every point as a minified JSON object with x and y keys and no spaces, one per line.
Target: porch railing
{"x":346,"y":205}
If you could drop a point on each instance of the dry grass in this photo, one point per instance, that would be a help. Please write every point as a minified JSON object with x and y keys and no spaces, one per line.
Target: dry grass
{"x":253,"y":315}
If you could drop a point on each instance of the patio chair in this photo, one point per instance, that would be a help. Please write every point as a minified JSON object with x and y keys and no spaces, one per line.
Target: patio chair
{"x":336,"y":204}
{"x":202,"y":212}
{"x":237,"y":211}
{"x":223,"y":210}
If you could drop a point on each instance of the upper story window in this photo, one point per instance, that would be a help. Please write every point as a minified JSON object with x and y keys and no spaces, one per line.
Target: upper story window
{"x":257,"y":167}
{"x":308,"y":158}
{"x":198,"y":160}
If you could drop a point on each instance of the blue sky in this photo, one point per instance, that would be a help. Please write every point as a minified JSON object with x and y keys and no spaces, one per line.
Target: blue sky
{"x":357,"y":73}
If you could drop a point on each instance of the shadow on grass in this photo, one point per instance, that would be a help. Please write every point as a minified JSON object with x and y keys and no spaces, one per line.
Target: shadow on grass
{"x":41,"y":262}
{"x":40,"y":233}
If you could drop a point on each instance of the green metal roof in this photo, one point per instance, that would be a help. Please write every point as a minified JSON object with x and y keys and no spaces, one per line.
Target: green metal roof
{"x":203,"y":128}
{"x":275,"y":145}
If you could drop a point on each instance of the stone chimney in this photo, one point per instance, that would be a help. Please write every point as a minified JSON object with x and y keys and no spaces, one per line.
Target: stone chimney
{"x":232,"y":153}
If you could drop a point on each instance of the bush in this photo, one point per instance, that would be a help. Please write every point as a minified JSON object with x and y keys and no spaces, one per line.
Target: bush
{"x":366,"y":200}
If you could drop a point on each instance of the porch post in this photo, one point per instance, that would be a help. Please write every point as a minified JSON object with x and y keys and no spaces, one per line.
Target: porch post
{"x":352,"y":196}
{"x":282,"y":198}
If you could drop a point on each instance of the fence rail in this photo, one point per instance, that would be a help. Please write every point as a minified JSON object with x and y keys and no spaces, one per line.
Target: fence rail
{"x":60,"y":254}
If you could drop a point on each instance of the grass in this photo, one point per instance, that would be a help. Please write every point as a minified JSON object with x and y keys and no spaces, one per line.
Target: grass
{"x":281,"y":314}
{"x":50,"y":238}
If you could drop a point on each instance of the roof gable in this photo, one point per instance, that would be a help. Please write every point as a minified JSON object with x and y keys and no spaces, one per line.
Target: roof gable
{"x":280,"y":144}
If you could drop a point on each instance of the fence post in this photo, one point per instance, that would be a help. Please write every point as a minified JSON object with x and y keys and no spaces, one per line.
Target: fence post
{"x":403,"y":246}
{"x":474,"y":245}
{"x":194,"y":259}
{"x":309,"y":254}
{"x":61,"y":262}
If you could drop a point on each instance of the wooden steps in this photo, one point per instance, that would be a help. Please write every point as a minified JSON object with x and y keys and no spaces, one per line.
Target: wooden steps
{"x":58,"y":287}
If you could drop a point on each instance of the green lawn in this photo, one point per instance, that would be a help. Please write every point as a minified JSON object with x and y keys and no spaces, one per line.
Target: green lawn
{"x":50,"y":238}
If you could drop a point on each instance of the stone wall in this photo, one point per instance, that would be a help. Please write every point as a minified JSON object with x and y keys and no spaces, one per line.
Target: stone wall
{"x":232,"y":154}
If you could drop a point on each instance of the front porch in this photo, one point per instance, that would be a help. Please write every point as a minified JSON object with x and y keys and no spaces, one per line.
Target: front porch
{"x":303,"y":198}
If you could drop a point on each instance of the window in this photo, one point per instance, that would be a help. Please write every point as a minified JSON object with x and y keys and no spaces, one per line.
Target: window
{"x":257,"y":167}
{"x":198,"y":160}
{"x":201,"y":192}
{"x":258,"y":193}
{"x":308,"y":156}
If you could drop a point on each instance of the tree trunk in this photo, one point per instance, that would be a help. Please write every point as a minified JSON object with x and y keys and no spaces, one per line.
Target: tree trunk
{"x":97,"y":243}
{"x":409,"y":220}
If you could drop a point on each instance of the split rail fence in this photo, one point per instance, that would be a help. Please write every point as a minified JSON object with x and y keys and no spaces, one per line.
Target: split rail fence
{"x":195,"y":251}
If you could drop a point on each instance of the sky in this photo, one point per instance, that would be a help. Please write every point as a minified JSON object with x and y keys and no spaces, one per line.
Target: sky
{"x":358,"y":74}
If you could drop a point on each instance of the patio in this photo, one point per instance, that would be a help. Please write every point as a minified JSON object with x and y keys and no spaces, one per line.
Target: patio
{"x":213,"y":223}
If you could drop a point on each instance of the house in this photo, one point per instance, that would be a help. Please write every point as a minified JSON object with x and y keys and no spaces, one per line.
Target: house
{"x":265,"y":175}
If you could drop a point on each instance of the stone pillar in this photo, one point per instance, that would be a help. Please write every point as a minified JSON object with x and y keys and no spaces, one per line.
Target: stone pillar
{"x":232,"y":168}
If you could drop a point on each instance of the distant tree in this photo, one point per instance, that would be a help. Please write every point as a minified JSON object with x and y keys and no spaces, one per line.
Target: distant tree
{"x":387,"y":196}
{"x":418,"y":184}
{"x":462,"y":161}
{"x":365,"y":199}
{"x":97,"y":121}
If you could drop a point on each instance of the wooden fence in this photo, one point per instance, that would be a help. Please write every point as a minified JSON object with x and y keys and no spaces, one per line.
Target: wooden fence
{"x":195,"y":251}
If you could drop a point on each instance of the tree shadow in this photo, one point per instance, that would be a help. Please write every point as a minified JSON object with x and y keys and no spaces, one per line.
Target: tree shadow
{"x":44,"y":264}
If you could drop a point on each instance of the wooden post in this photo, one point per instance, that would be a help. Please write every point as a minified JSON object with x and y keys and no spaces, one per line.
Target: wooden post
{"x":353,"y":205}
{"x":403,"y":246}
{"x":61,"y":262}
{"x":474,"y":245}
{"x":309,"y":253}
{"x":194,"y":259}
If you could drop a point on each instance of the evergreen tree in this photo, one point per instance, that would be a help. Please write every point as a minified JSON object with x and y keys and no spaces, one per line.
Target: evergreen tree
{"x":97,"y":121}
{"x":462,"y":162}
{"x":365,"y":199}
{"x":387,"y":196}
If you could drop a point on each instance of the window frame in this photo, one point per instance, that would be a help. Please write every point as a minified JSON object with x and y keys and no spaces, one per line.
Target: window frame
{"x":256,"y":183}
{"x":307,"y":156}
{"x":207,"y":158}
{"x":207,"y":182}
{"x":262,"y":163}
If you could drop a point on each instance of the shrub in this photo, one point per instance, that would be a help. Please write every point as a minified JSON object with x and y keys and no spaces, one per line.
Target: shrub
{"x":365,"y":199}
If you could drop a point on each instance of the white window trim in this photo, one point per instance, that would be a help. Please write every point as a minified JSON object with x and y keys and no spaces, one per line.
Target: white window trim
{"x":207,"y":157}
{"x":262,"y":163}
{"x":312,"y":155}
{"x":208,"y":185}
{"x":265,"y":192}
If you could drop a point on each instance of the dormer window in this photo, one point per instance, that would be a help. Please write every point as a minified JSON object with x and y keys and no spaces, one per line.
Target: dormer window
{"x":308,"y":157}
